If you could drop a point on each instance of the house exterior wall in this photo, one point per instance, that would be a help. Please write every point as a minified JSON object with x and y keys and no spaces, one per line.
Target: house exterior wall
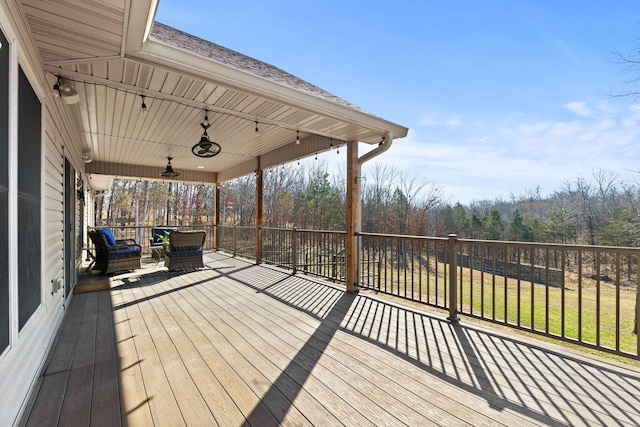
{"x":23,"y":359}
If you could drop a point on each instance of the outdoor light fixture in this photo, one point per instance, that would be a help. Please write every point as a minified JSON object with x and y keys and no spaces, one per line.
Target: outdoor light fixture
{"x":298,"y":137}
{"x":169,"y":172}
{"x":86,"y":157}
{"x":206,"y":147}
{"x":68,"y":93}
{"x":56,"y":88}
{"x":143,"y":106}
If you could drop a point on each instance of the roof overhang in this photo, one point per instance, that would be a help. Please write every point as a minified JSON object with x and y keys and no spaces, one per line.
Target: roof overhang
{"x":113,"y":56}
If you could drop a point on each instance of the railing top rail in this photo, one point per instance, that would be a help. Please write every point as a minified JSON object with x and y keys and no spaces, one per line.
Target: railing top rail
{"x":276,"y":228}
{"x":304,"y":230}
{"x":237,"y":227}
{"x":503,"y":243}
{"x":538,"y":245}
{"x":592,"y":248}
{"x":404,"y":236}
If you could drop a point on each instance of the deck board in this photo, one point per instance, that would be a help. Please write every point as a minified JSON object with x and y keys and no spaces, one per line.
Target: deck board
{"x":332,"y":369}
{"x":251,"y":345}
{"x":105,"y":402}
{"x":160,"y":398}
{"x":135,"y":410}
{"x":76,"y":408}
{"x":267,"y":360}
{"x":248,"y":378}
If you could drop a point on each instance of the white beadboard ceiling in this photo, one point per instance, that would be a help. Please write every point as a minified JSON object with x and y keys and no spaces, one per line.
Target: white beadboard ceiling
{"x":108,"y":52}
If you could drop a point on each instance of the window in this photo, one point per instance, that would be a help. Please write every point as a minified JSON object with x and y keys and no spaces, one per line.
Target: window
{"x":29,"y":200}
{"x":4,"y":192}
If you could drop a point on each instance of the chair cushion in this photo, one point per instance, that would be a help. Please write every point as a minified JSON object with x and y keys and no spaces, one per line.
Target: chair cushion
{"x":111,"y":241}
{"x":131,"y":251}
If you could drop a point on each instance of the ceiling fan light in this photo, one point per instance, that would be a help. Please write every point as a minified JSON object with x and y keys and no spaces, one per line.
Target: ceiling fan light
{"x":205,"y":147}
{"x":169,"y":172}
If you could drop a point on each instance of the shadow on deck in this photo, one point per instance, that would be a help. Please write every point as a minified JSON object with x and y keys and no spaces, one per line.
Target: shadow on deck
{"x":240,"y":344}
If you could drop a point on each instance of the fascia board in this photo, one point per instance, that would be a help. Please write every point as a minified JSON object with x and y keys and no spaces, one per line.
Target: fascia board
{"x":140,"y":17}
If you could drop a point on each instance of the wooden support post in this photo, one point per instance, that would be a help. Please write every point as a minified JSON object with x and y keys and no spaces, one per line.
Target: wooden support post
{"x":259,"y":214}
{"x":353,"y":220}
{"x":216,"y":217}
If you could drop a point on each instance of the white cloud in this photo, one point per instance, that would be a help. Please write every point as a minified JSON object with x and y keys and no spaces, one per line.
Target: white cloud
{"x":579,"y":108}
{"x":492,"y":160}
{"x":451,"y":122}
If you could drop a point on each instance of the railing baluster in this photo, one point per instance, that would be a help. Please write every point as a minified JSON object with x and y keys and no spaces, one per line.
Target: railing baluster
{"x":453,"y":282}
{"x":580,"y":283}
{"x":505,"y":273}
{"x":519,"y":287}
{"x":637,"y":311}
{"x":617,"y":284}
{"x":420,"y":245}
{"x":597,"y":261}
{"x":294,"y":250}
{"x":534,"y":254}
{"x":494,"y":253}
{"x":546,"y":290}
{"x":563,"y":295}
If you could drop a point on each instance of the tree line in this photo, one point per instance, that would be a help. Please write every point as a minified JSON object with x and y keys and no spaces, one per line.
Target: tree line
{"x":598,"y":210}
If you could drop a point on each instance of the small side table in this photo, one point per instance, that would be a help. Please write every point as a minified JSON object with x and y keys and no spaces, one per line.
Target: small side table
{"x":157,"y":252}
{"x":90,"y":257}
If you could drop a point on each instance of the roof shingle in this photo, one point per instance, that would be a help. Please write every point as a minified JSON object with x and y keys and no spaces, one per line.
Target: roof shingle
{"x":214,"y":52}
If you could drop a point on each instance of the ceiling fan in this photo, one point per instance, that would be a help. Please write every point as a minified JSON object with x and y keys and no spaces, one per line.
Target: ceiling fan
{"x":169,"y":172}
{"x":206,"y":147}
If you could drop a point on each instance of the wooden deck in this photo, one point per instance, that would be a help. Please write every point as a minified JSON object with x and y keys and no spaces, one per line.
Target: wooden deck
{"x":239,"y":344}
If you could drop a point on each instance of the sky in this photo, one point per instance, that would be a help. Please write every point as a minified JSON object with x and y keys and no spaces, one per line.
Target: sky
{"x":500,"y":96}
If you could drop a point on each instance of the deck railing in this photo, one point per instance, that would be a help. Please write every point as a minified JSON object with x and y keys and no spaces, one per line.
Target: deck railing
{"x":586,"y":295}
{"x":317,"y":252}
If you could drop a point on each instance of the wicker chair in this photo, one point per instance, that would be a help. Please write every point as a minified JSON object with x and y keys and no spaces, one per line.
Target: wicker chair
{"x":184,"y":250}
{"x":114,"y":255}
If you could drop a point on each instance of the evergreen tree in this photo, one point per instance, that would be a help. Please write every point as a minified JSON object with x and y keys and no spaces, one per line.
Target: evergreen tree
{"x":493,"y":225}
{"x":518,"y":231}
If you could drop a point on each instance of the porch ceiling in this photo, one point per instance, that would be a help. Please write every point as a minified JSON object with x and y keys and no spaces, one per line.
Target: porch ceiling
{"x":111,"y":54}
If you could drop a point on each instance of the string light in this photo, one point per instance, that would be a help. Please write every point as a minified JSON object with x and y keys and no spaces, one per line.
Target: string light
{"x":60,"y":85}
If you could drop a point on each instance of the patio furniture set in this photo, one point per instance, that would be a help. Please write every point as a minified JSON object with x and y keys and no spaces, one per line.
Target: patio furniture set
{"x":181,"y":250}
